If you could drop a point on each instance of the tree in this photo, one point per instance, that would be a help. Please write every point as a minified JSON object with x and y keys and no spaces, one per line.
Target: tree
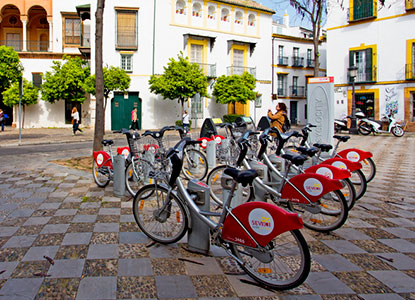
{"x":181,"y":80}
{"x":99,"y":78}
{"x":10,"y":67}
{"x":29,"y":96}
{"x":66,"y":81}
{"x":314,"y":10}
{"x":234,"y":89}
{"x":115,"y":79}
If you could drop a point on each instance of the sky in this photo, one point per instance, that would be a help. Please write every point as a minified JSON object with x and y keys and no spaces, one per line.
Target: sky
{"x":282,"y":6}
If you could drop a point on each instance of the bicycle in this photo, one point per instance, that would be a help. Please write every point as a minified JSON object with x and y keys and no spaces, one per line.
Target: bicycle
{"x":263,"y":239}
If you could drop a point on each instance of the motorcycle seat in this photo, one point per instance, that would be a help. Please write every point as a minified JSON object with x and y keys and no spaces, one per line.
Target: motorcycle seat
{"x":324,"y":147}
{"x":296,"y":159}
{"x":308,"y":151}
{"x":342,"y":138}
{"x":243,"y":177}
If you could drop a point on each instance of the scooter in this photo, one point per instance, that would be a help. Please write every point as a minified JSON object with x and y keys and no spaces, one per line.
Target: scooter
{"x":367,"y":126}
{"x":341,"y":124}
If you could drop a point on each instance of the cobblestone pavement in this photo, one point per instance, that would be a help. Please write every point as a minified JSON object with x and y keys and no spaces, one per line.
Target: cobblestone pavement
{"x":99,"y":252}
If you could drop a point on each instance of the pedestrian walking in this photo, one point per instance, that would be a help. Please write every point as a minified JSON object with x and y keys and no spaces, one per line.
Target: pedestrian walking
{"x":278,"y":119}
{"x":134,"y":119}
{"x":185,"y":122}
{"x":75,"y":121}
{"x":2,"y":119}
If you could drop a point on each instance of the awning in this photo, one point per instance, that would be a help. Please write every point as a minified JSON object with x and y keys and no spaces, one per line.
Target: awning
{"x":212,"y":39}
{"x":84,"y":11}
{"x":242,"y":42}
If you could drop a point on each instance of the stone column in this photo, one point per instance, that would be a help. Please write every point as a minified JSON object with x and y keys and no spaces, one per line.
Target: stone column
{"x":50,"y":46}
{"x":24,"y":35}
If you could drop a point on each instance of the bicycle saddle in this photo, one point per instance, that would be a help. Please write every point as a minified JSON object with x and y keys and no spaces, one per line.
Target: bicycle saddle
{"x":308,"y":151}
{"x":342,"y":138}
{"x":296,"y":159}
{"x":107,"y":142}
{"x":324,"y":147}
{"x":244,"y":177}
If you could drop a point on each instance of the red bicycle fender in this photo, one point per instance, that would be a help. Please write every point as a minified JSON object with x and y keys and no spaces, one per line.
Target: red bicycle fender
{"x":329,"y":171}
{"x":204,"y":142}
{"x":311,"y":185}
{"x":262,"y":220}
{"x":355,"y":155}
{"x":218,"y":139}
{"x":123,"y":151}
{"x":100,"y":157}
{"x":342,"y":163}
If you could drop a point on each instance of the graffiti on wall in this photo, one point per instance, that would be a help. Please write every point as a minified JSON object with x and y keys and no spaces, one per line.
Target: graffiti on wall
{"x":391,"y":101}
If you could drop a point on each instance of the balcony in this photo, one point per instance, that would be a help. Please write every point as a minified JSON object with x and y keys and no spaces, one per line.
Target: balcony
{"x":410,"y":4}
{"x":298,"y":61}
{"x":237,"y":70}
{"x":282,"y":92}
{"x":366,"y":75}
{"x":297,"y":91}
{"x":31,"y":46}
{"x":367,"y":10}
{"x":410,"y":71}
{"x":310,"y":63}
{"x":283,"y":60}
{"x":208,"y":69}
{"x":85,"y":47}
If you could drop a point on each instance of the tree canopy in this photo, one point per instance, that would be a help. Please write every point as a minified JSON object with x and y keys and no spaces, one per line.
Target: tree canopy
{"x":10,"y":67}
{"x":29,"y":96}
{"x":234,"y":89}
{"x":66,"y":81}
{"x":181,"y":80}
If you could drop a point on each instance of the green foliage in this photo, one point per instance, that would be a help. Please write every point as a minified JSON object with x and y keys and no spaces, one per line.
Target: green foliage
{"x":230,"y":118}
{"x":181,"y":80}
{"x":66,"y":81}
{"x":10,"y":67}
{"x":29,"y":96}
{"x":115,"y":79}
{"x":179,"y":123}
{"x":234,"y":89}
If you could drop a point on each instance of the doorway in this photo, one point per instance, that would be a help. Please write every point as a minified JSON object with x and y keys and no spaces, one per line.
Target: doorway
{"x":121,"y":107}
{"x":293,"y":112}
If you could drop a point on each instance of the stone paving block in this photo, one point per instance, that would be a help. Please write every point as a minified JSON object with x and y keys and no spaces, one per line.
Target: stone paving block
{"x":357,"y":223}
{"x":247,"y":290}
{"x":77,"y":238}
{"x":111,"y":199}
{"x":24,"y":195}
{"x":67,"y":268}
{"x":54,"y":228}
{"x":50,"y":205}
{"x":301,"y":297}
{"x":97,"y":288}
{"x":400,"y":245}
{"x":36,"y":221}
{"x":66,"y":212}
{"x":343,"y":247}
{"x":135,"y":267}
{"x":20,"y":288}
{"x":352,"y":234}
{"x":327,"y":283}
{"x":8,"y":268}
{"x":133,"y":238}
{"x":396,"y":280}
{"x":209,"y":266}
{"x":38,"y":253}
{"x":107,"y":227}
{"x":20,"y":241}
{"x":381,"y":297}
{"x":401,"y":222}
{"x":18,"y":213}
{"x":90,"y":205}
{"x":7,"y":231}
{"x":98,"y":251}
{"x":84,"y":219}
{"x":35,"y":200}
{"x":402,"y":233}
{"x":335,"y":263}
{"x":58,"y":194}
{"x":177,"y":286}
{"x":127,"y":219}
{"x":109,"y":211}
{"x":399,"y":261}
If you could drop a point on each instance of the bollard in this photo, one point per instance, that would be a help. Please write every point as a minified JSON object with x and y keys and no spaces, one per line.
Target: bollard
{"x":237,"y":198}
{"x":262,"y":171}
{"x":211,"y":153}
{"x":119,"y":175}
{"x":198,"y":236}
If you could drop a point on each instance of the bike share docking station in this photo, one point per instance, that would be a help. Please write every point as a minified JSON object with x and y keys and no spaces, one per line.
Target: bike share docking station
{"x":119,"y":175}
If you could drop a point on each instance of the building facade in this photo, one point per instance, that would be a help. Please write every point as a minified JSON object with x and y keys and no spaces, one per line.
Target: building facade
{"x":292,"y":63}
{"x":224,"y":37}
{"x":380,"y":42}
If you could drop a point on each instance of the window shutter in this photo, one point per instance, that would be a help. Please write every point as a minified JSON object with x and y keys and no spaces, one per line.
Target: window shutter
{"x":352,"y":55}
{"x":369,"y":67}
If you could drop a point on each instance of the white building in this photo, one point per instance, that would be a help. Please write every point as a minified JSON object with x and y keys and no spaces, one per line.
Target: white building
{"x":224,"y":37}
{"x":293,"y":63}
{"x":380,"y":42}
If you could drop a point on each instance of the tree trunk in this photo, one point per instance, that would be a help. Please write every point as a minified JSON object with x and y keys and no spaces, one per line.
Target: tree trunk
{"x":99,"y":78}
{"x":182,"y":103}
{"x":316,"y":52}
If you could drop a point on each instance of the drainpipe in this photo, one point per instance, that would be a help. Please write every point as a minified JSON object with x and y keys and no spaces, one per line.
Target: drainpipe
{"x":272,"y":68}
{"x":154,"y":37}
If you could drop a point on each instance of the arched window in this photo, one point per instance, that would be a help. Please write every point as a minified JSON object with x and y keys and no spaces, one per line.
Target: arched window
{"x":251,"y":20}
{"x":212,"y":12}
{"x":180,"y":7}
{"x":239,"y":17}
{"x":197,"y":10}
{"x":225,"y":15}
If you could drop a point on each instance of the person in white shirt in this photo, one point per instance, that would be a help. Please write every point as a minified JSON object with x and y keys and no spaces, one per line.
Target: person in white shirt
{"x":185,"y":122}
{"x":75,"y":121}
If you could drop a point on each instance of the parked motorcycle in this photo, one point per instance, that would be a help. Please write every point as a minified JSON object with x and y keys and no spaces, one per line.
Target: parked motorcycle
{"x":341,"y":124}
{"x":367,"y":126}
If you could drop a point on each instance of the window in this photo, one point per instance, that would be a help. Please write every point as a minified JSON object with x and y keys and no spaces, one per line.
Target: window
{"x":225,"y":15}
{"x":410,"y":60}
{"x":238,"y":62}
{"x":239,"y":18}
{"x":282,"y":85}
{"x":362,"y":9}
{"x":310,"y":60}
{"x":409,"y":4}
{"x":258,"y":102}
{"x":37,"y":79}
{"x":72,"y":31}
{"x":180,"y":7}
{"x":282,"y":60}
{"x":127,"y":62}
{"x":211,"y":12}
{"x":366,"y":103}
{"x":297,"y":60}
{"x":196,"y":53}
{"x":127,"y":29}
{"x":197,"y":10}
{"x":13,"y":40}
{"x":197,"y":107}
{"x":295,"y":86}
{"x":365,"y":61}
{"x":251,"y":20}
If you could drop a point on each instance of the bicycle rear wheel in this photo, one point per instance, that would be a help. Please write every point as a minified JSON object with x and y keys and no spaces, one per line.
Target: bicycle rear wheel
{"x":349,"y":192}
{"x":134,"y":176}
{"x":162,"y":219}
{"x":195,"y":164}
{"x":360,"y":183}
{"x":102,"y":175}
{"x":368,"y":169}
{"x":286,"y":265}
{"x":327,"y":214}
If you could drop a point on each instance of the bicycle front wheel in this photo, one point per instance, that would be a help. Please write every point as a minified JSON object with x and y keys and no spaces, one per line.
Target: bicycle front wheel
{"x":161,"y":218}
{"x":195,"y":164}
{"x":349,"y":192}
{"x":360,"y":183}
{"x":101,"y":174}
{"x":285,"y":265}
{"x":134,"y":176}
{"x":327,"y":214}
{"x":368,"y":169}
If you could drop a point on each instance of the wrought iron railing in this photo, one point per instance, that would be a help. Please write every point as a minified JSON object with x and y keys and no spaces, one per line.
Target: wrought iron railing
{"x":237,"y":70}
{"x":282,"y":92}
{"x":365,"y":75}
{"x":363,"y":10}
{"x":208,"y":69}
{"x":298,"y":61}
{"x":410,"y":71}
{"x":283,"y":60}
{"x":297,"y":91}
{"x":310,"y":63}
{"x":31,"y":46}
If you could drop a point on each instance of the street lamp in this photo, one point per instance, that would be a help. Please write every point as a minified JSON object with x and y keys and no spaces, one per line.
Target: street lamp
{"x":353,"y":124}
